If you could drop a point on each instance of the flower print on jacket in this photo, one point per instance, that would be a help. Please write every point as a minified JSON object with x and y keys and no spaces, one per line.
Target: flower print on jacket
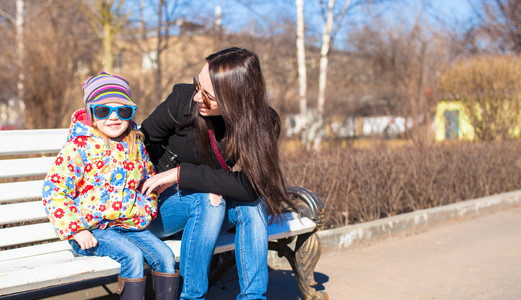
{"x":118,"y":176}
{"x":93,"y":183}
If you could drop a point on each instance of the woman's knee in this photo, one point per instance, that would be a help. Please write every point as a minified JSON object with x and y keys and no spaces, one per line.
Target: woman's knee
{"x":254,"y":212}
{"x":215,"y":200}
{"x":209,"y":207}
{"x":205,"y":222}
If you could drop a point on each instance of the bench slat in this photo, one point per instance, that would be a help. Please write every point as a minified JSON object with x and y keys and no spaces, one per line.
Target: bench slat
{"x":22,"y":142}
{"x":29,"y":251}
{"x":26,"y":190}
{"x":292,"y":225}
{"x":26,"y":234}
{"x":36,"y":277}
{"x":22,"y":212}
{"x":25,"y":167}
{"x":38,"y":260}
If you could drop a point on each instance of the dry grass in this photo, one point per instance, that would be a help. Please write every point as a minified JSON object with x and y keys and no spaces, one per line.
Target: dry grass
{"x":364,"y":184}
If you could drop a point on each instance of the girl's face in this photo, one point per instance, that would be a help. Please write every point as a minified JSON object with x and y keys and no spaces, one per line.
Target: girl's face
{"x":113,"y":126}
{"x":205,"y":86}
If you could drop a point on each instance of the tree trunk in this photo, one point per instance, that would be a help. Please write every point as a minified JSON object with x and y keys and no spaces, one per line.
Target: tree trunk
{"x":318,"y":124}
{"x":160,"y":36}
{"x":302,"y":72}
{"x":20,"y":10}
{"x":108,"y":36}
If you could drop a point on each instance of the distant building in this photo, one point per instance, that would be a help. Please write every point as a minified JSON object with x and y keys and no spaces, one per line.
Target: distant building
{"x":452,"y":122}
{"x":354,"y":126}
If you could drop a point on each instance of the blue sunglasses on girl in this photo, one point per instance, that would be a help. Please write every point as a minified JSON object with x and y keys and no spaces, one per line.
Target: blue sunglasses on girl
{"x":124,"y":112}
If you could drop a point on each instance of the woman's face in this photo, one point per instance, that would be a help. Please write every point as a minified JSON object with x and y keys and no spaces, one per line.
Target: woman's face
{"x":206,"y":85}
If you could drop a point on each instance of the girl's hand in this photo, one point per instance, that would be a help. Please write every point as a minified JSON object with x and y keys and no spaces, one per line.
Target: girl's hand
{"x":161,"y":181}
{"x":85,"y":239}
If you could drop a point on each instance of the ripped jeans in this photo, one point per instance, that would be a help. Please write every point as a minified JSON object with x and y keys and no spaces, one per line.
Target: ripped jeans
{"x":202,"y":222}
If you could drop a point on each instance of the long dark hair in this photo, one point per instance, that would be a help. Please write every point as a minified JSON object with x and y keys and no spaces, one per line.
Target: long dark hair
{"x":252,"y":126}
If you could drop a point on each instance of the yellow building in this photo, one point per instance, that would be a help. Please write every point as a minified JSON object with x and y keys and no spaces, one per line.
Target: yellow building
{"x":452,"y":122}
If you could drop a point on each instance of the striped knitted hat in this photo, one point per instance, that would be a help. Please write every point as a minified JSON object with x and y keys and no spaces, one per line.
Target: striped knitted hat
{"x":105,"y":88}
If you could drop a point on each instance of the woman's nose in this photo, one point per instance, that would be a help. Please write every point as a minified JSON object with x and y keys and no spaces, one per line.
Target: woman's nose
{"x":197,"y":97}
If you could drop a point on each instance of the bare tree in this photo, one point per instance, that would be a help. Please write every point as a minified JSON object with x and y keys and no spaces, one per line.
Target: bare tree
{"x":317,"y":127}
{"x":500,"y":20}
{"x":8,"y":47}
{"x":18,"y":23}
{"x":333,"y":22}
{"x":109,"y":15}
{"x":52,"y":62}
{"x":314,"y":123}
{"x":167,"y":12}
{"x":400,"y":67}
{"x":301,"y":59}
{"x":150,"y":46}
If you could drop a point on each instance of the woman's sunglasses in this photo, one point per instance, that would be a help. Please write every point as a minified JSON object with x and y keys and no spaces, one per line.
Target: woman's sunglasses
{"x":206,"y":98}
{"x":124,"y":112}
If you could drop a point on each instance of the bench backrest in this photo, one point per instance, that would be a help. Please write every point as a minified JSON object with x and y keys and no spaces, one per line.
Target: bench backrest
{"x":25,"y":158}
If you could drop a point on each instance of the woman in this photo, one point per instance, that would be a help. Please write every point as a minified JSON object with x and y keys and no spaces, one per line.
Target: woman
{"x":198,"y":187}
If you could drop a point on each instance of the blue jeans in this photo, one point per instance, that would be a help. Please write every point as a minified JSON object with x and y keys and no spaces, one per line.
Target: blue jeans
{"x":202,"y":222}
{"x":130,"y":249}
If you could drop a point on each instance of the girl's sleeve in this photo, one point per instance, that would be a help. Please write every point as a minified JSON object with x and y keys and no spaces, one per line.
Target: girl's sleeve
{"x":59,"y":192}
{"x":149,"y":171}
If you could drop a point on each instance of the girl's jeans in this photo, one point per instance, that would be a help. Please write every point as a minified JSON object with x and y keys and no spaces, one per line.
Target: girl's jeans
{"x":202,"y":222}
{"x":130,"y":249}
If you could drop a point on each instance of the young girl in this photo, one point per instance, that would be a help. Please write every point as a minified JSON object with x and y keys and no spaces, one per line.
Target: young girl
{"x":91,"y":193}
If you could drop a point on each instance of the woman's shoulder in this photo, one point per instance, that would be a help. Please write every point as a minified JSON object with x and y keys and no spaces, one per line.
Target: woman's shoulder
{"x":178,"y":102}
{"x":183,"y":90}
{"x":181,"y":95}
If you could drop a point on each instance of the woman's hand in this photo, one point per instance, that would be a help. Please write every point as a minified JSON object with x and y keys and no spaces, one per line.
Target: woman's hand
{"x":161,"y":181}
{"x":85,"y":239}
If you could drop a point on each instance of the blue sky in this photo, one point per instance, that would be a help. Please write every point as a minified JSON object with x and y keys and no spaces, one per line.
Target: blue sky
{"x":238,"y":13}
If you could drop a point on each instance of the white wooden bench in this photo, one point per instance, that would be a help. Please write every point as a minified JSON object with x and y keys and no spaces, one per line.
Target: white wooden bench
{"x":35,"y":264}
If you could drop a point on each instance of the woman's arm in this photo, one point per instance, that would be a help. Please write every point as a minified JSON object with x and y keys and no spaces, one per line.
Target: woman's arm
{"x":203,"y":178}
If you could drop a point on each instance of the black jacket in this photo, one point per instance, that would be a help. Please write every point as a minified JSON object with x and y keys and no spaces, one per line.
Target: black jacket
{"x":166,"y":139}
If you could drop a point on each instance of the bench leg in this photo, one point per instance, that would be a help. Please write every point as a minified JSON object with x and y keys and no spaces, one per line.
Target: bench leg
{"x":303,"y":261}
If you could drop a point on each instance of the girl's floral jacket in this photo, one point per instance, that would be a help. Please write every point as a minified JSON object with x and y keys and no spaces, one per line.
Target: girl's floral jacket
{"x":93,"y":183}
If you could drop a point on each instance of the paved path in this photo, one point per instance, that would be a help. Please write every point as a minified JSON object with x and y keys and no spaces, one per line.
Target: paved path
{"x":477,"y":258}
